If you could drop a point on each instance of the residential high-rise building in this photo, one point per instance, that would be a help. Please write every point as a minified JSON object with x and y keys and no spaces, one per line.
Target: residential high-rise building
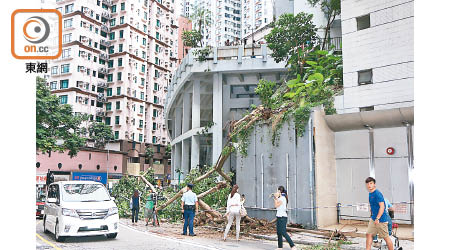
{"x":227,"y":21}
{"x":116,"y":64}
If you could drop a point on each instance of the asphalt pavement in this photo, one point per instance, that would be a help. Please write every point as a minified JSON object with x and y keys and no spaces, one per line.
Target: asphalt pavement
{"x":130,"y":238}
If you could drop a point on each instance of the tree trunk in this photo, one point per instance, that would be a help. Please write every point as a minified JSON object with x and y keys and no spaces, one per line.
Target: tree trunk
{"x":208,"y":209}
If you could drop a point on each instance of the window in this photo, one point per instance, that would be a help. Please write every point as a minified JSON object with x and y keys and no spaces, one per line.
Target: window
{"x":122,"y":6}
{"x":117,"y":119}
{"x":109,"y":92}
{"x":110,"y":78}
{"x":155,"y":113}
{"x":111,"y":50}
{"x":119,"y":76}
{"x":120,"y":47}
{"x":122,"y":19}
{"x":363,"y":109}
{"x":154,"y":126}
{"x":92,"y":102}
{"x":53,"y":85}
{"x":67,"y":38}
{"x":65,"y":68}
{"x":68,"y":23}
{"x":154,"y":139}
{"x":119,"y":62}
{"x":118,"y":105}
{"x":114,"y":8}
{"x":243,"y":91}
{"x":64,"y":84}
{"x":99,"y":119}
{"x":54,"y":70}
{"x":157,"y":35}
{"x":63,"y":99}
{"x":144,"y":41}
{"x":118,"y":90}
{"x":66,"y":53}
{"x":141,"y":123}
{"x":142,"y":81}
{"x":108,"y":106}
{"x":110,"y":63}
{"x":363,"y":22}
{"x":143,"y":68}
{"x":142,"y":95}
{"x":156,"y":73}
{"x":158,"y":23}
{"x":365,"y":77}
{"x":112,"y":35}
{"x":140,"y":137}
{"x":69,"y":8}
{"x":108,"y":120}
{"x":156,"y":86}
{"x":155,"y":100}
{"x":116,"y":135}
{"x":112,"y":22}
{"x":141,"y":109}
{"x":120,"y":33}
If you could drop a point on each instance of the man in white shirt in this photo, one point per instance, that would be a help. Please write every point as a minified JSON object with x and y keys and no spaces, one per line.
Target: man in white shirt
{"x":189,"y":202}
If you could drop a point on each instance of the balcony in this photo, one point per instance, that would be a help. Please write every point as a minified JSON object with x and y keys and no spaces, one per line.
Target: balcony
{"x":331,"y":43}
{"x":105,"y":43}
{"x":107,"y":2}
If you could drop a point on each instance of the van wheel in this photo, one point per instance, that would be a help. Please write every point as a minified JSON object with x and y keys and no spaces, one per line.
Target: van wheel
{"x":111,"y":236}
{"x":45,"y":228}
{"x":58,"y":238}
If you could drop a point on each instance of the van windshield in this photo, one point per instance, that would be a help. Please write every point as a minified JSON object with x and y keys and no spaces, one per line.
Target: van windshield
{"x":85,"y":193}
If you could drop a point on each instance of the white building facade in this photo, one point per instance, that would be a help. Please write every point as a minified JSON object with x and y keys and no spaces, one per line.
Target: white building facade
{"x":116,"y":64}
{"x":204,"y":96}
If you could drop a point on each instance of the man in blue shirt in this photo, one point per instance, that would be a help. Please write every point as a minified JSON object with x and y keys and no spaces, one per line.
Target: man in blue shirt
{"x":189,"y":202}
{"x":378,"y":223}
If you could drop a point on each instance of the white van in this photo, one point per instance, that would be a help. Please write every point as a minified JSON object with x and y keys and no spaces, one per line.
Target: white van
{"x":80,"y":208}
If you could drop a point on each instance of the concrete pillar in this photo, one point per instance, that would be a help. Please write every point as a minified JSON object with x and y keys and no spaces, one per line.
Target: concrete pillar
{"x":195,"y":151}
{"x":196,"y":104}
{"x":185,"y":157}
{"x":178,"y":121}
{"x":186,"y":111}
{"x":177,"y":162}
{"x":217,"y":117}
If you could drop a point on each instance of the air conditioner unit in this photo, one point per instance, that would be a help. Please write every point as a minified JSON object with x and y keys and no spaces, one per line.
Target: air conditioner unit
{"x":83,"y":53}
{"x":82,"y":69}
{"x":80,"y":99}
{"x":85,"y":10}
{"x":84,"y":39}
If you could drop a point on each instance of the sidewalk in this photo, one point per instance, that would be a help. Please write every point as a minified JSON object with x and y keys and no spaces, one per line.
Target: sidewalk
{"x":212,"y":235}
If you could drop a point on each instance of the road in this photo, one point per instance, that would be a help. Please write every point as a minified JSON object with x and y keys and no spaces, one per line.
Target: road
{"x":130,"y":238}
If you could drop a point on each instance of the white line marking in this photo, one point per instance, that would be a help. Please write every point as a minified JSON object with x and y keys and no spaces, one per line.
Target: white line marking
{"x":171,"y":239}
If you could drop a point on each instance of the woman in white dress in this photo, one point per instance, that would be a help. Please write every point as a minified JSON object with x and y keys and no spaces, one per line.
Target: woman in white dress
{"x":233,"y":211}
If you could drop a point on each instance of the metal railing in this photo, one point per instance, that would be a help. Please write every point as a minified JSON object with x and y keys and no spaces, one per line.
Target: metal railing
{"x":335,"y":42}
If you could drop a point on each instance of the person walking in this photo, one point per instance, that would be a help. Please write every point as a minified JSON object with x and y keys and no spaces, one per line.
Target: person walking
{"x":134,"y":206}
{"x":189,"y":202}
{"x":234,"y":205}
{"x":378,"y":223}
{"x":281,"y":200}
{"x":390,"y":211}
{"x":149,"y":208}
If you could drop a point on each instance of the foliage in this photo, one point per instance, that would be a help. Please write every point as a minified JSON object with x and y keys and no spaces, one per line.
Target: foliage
{"x":202,"y":19}
{"x":123,"y":191}
{"x":265,"y":91}
{"x":168,"y":150}
{"x":100,"y":133}
{"x":191,"y":38}
{"x":331,"y":9}
{"x":149,"y":152}
{"x":57,"y":122}
{"x":290,"y":37}
{"x":202,"y":54}
{"x":206,"y":128}
{"x":215,"y":201}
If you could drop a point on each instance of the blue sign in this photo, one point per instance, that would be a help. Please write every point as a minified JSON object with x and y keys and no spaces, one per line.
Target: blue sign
{"x":98,"y":177}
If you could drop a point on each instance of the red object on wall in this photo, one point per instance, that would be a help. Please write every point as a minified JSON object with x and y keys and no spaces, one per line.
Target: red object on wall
{"x":390,"y":151}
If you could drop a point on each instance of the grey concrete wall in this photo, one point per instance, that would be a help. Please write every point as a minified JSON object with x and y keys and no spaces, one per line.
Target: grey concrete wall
{"x":266,"y":167}
{"x":391,"y":171}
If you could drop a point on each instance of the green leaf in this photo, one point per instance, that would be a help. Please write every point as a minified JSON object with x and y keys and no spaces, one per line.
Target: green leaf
{"x":312,"y":63}
{"x":289,"y":95}
{"x":316,"y":77}
{"x":322,"y":52}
